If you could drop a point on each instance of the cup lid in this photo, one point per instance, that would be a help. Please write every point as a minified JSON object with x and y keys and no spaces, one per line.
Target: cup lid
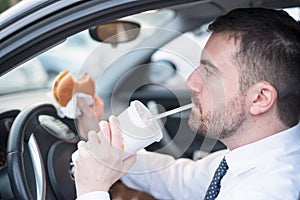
{"x":141,"y":116}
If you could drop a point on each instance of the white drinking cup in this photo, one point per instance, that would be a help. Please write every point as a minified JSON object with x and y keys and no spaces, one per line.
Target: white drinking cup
{"x":138,"y":129}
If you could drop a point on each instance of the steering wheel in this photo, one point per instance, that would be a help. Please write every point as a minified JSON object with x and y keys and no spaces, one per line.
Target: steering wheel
{"x":39,"y":157}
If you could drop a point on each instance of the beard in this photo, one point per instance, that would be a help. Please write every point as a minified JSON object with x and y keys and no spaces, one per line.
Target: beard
{"x":221,"y":123}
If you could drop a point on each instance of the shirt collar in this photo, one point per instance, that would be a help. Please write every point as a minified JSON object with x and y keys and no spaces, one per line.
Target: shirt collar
{"x":249,"y":156}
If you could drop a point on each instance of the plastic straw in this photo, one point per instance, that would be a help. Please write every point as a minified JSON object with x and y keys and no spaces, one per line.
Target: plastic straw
{"x":171,"y":112}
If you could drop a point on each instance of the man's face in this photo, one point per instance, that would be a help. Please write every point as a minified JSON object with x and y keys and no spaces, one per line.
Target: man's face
{"x":219,"y":109}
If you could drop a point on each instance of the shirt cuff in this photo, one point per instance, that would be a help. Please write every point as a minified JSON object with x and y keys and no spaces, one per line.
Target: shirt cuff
{"x":99,"y":195}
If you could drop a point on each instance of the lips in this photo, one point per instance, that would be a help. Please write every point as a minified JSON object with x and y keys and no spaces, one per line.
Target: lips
{"x":195,"y":100}
{"x":196,"y":103}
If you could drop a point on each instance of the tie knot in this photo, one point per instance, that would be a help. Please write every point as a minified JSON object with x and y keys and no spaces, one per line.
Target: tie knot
{"x":223,"y":165}
{"x":221,"y":170}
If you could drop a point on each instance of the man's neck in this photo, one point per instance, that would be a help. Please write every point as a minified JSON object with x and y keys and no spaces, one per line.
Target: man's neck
{"x":253,"y":131}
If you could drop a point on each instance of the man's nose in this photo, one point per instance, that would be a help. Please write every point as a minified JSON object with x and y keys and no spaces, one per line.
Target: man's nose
{"x":193,"y":82}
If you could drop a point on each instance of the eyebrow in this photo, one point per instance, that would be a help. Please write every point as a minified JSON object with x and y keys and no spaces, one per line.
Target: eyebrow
{"x":212,"y":66}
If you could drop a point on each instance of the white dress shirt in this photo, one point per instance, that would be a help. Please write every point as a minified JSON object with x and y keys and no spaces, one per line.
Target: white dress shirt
{"x":266,"y":169}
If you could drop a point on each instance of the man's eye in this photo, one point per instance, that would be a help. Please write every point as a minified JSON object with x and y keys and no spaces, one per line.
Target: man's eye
{"x":207,"y":72}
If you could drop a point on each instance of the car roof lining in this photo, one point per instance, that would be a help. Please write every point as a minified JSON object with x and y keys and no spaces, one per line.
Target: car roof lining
{"x":213,"y":8}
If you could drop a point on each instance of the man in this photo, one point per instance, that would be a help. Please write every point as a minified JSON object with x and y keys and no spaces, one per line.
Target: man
{"x":246,"y":93}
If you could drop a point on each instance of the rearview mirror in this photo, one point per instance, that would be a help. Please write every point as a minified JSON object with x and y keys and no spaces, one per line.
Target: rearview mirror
{"x":115,"y":32}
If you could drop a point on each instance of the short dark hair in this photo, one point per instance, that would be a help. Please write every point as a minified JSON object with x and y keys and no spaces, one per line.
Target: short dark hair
{"x":269,"y":51}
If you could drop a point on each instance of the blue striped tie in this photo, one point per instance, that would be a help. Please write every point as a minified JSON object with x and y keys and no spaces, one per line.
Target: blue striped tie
{"x":215,"y":185}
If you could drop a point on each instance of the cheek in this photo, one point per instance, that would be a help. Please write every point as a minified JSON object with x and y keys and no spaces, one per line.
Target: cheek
{"x":203,"y":100}
{"x":213,"y":94}
{"x":216,"y":93}
{"x":231,"y":84}
{"x":232,"y":92}
{"x":206,"y":100}
{"x":209,"y":92}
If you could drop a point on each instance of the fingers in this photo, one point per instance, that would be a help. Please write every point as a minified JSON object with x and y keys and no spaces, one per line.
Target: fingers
{"x":105,"y":130}
{"x":96,"y":142}
{"x":87,"y":120}
{"x":107,"y":141}
{"x":116,"y":136}
{"x":99,"y":107}
{"x":98,"y":101}
{"x":84,"y":107}
{"x":81,"y":102}
{"x":112,"y":132}
{"x":93,"y":137}
{"x":79,"y":144}
{"x":82,"y":151}
{"x":93,"y":142}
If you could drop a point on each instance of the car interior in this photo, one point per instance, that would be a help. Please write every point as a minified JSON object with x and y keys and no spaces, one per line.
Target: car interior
{"x":144,"y":52}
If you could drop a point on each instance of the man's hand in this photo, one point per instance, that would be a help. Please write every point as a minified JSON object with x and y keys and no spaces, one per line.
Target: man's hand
{"x":99,"y":163}
{"x":90,"y":116}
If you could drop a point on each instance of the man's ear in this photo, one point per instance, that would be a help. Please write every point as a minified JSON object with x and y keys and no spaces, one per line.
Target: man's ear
{"x":263,"y":97}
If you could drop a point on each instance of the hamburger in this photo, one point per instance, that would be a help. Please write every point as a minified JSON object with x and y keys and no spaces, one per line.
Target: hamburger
{"x":65,"y":86}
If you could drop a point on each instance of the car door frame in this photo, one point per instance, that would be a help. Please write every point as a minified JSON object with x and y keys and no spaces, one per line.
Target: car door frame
{"x":51,"y":23}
